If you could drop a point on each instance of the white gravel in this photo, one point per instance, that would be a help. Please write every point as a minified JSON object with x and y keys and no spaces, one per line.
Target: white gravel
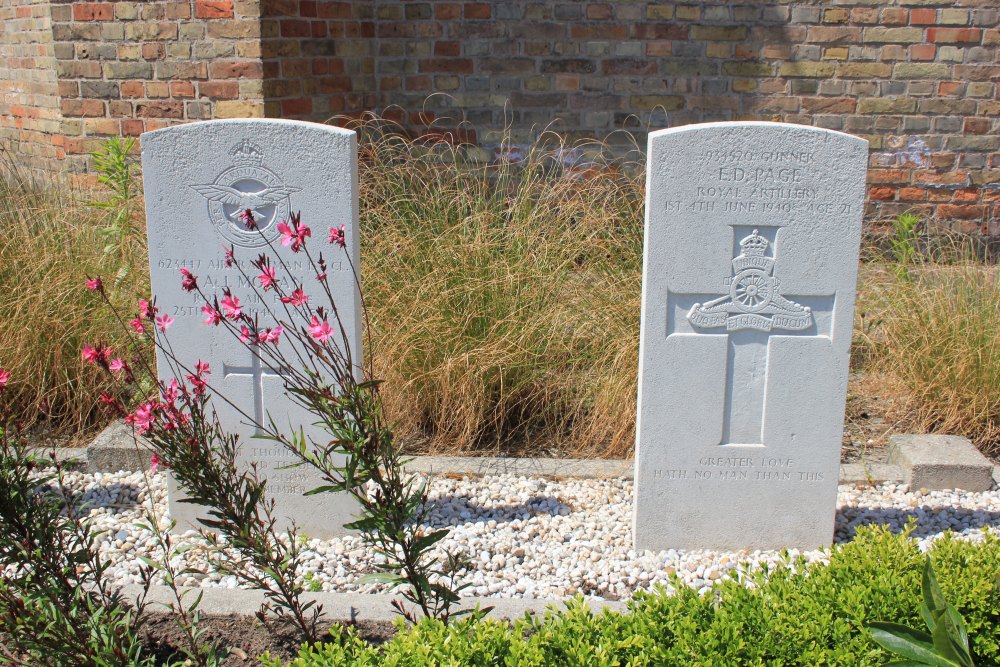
{"x":525,"y":536}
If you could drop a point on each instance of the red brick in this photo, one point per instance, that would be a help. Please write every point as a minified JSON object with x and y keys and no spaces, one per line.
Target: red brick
{"x":153,"y":51}
{"x":888,"y":176}
{"x":87,"y":108}
{"x":446,"y":11}
{"x":923,"y":16}
{"x":923,"y":52}
{"x":295,"y":28}
{"x":307,"y":8}
{"x":93,"y":11}
{"x":947,"y":88}
{"x":230,"y":69}
{"x":912,"y":194}
{"x":476,"y":10}
{"x":131,"y":89}
{"x":967,"y":195}
{"x":160,"y":109}
{"x":318,"y":29}
{"x":181,"y":89}
{"x":213,"y":9}
{"x":449,"y":48}
{"x":299,"y":107}
{"x":954,"y":35}
{"x":882,"y":194}
{"x":953,"y":180}
{"x":977,"y":125}
{"x":219,"y":90}
{"x":131,"y":127}
{"x":962,"y":211}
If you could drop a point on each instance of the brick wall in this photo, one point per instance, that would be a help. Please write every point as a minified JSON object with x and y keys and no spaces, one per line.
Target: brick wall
{"x":30,"y":121}
{"x":127,"y":67}
{"x":918,"y":78}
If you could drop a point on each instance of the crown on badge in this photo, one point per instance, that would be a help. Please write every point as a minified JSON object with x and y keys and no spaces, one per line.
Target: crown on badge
{"x":754,"y":245}
{"x":247,"y":152}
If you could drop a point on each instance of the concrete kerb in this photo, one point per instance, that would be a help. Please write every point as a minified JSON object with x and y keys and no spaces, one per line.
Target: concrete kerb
{"x":349,"y":607}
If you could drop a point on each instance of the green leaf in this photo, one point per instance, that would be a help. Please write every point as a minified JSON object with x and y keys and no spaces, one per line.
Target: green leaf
{"x":328,"y":488}
{"x":908,"y":643}
{"x":428,"y":541}
{"x":933,"y":597}
{"x":381,"y":577}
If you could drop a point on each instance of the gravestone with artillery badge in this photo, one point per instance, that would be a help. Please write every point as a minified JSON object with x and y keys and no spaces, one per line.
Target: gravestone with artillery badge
{"x":750,"y":265}
{"x":199,"y":181}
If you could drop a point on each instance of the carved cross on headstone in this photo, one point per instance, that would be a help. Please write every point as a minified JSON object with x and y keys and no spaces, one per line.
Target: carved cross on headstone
{"x":751,"y":315}
{"x":257,"y":372}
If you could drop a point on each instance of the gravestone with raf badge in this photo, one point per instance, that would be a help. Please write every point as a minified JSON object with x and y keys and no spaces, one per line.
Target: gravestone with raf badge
{"x":200,"y":181}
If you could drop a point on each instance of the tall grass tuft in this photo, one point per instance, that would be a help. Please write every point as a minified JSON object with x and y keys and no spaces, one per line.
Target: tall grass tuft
{"x":504,"y":293}
{"x":932,"y":340}
{"x":52,"y":241}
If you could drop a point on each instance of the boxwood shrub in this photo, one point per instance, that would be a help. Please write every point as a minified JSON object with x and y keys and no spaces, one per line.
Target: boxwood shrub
{"x":793,"y":614}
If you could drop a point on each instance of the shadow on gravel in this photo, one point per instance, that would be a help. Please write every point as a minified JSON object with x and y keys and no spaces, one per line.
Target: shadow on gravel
{"x":116,"y":497}
{"x":927,"y":520}
{"x":443,"y":509}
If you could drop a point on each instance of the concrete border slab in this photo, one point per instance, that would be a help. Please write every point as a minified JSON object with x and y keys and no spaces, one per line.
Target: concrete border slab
{"x":938,"y":462}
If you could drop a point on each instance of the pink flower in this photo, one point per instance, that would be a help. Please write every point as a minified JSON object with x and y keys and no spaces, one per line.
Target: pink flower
{"x":117,"y":365}
{"x":266,"y":277}
{"x":339,"y":236}
{"x":143,"y":417}
{"x":230,"y":257}
{"x":271,"y":335}
{"x":95,"y":284}
{"x":198,"y":383}
{"x":147,"y":310}
{"x":212,"y":316}
{"x":295,"y":234}
{"x":231,"y":307}
{"x":112,"y":404}
{"x":189,"y":282}
{"x":248,"y":220}
{"x":245,"y":336}
{"x":171,"y":392}
{"x":164,"y":321}
{"x":296,"y":298}
{"x":136,"y":324}
{"x":320,"y":330}
{"x":4,"y":379}
{"x":91,"y":355}
{"x":154,"y":461}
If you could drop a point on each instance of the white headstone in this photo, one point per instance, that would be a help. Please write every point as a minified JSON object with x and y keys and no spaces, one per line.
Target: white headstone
{"x":750,"y":265}
{"x":197,"y":178}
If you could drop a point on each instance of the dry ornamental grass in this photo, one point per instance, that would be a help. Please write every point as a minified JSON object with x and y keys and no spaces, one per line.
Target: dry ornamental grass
{"x":504,"y":296}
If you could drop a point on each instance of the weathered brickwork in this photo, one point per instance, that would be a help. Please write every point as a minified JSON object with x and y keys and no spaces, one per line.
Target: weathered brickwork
{"x":918,"y":78}
{"x":128,"y":67}
{"x":30,"y":121}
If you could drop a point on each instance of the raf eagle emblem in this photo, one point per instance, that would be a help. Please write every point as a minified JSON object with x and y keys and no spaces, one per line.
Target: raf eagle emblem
{"x":247,"y":186}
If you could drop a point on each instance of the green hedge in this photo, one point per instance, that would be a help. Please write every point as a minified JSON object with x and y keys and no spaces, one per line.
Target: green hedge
{"x":814,"y":615}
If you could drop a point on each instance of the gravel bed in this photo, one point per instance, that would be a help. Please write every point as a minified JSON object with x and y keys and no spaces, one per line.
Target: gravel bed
{"x":526,"y":537}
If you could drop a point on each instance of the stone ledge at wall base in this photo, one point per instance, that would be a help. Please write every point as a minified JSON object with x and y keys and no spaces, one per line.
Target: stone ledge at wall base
{"x":114,"y":450}
{"x":937,"y":462}
{"x":350,"y":607}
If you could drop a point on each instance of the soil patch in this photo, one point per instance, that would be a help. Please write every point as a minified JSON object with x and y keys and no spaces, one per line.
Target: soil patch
{"x":246,"y":638}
